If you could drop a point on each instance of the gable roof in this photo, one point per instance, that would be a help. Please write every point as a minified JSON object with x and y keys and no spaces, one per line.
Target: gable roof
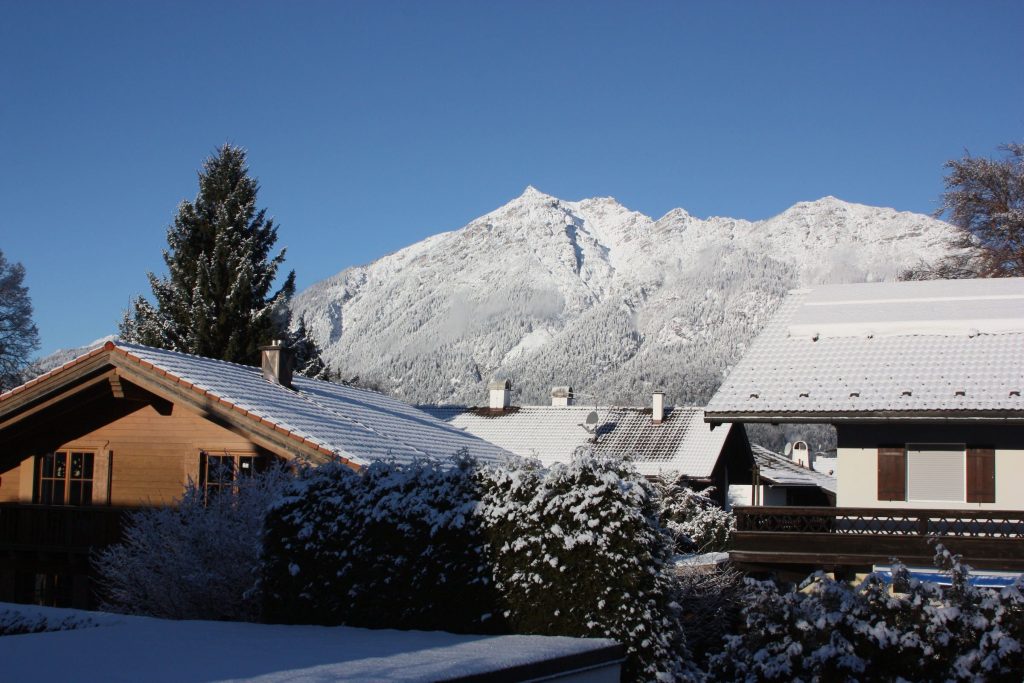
{"x":683,"y":442}
{"x":933,"y":349}
{"x":779,"y":470}
{"x":314,"y":417}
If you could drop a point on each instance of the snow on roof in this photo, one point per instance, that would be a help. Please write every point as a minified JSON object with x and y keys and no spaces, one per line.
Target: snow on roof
{"x":782,"y":471}
{"x":356,"y":424}
{"x":683,"y":442}
{"x":943,"y":345}
{"x":116,"y":647}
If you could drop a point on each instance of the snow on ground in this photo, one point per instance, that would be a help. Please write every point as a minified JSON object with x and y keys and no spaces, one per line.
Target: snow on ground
{"x":128,"y":648}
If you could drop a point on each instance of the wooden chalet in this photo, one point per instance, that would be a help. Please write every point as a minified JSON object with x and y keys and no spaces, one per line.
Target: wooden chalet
{"x":126,"y":426}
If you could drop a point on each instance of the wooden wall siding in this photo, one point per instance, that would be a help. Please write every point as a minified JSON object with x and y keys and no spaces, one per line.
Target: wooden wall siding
{"x":153,"y":447}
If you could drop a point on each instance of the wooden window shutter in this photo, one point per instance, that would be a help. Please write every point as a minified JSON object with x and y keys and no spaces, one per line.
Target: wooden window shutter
{"x":981,"y":475}
{"x":892,"y":473}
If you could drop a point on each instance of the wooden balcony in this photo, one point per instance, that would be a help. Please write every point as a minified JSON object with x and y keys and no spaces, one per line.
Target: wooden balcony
{"x":57,"y":529}
{"x":842,"y":539}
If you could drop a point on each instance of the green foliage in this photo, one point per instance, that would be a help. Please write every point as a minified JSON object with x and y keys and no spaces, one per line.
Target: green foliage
{"x":216,"y":299}
{"x":696,"y":523}
{"x":578,"y":551}
{"x":394,"y":546}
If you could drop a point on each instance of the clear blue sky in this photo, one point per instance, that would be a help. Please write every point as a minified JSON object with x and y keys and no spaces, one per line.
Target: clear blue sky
{"x":372,"y":125}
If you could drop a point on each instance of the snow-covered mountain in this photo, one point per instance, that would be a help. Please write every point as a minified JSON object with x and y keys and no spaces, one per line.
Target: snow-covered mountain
{"x":593,"y":295}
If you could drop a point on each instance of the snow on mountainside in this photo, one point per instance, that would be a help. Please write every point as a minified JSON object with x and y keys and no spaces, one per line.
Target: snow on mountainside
{"x":588,"y":293}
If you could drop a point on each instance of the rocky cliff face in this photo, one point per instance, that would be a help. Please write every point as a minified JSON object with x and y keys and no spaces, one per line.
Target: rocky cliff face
{"x":593,"y":295}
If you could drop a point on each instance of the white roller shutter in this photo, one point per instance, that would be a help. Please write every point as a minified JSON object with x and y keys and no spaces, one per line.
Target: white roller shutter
{"x":936,"y":472}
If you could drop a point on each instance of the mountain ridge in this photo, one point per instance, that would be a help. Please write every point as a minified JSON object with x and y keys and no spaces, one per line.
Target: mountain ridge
{"x":591,"y":294}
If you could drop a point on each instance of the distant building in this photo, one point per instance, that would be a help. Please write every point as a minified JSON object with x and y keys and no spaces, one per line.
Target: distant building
{"x":659,"y":439}
{"x":923,"y":382}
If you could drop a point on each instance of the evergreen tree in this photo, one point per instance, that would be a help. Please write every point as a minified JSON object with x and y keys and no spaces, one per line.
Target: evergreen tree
{"x":18,"y":334}
{"x":216,"y":299}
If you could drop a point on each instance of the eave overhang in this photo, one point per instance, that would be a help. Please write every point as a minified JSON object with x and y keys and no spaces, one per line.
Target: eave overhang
{"x":995,"y":417}
{"x":110,"y":358}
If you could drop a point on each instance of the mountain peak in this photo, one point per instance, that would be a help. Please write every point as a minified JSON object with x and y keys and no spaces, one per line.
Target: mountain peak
{"x":532,"y":192}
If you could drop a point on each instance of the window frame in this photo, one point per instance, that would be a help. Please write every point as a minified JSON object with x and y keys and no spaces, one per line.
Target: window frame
{"x":89,"y":464}
{"x":237,"y":457}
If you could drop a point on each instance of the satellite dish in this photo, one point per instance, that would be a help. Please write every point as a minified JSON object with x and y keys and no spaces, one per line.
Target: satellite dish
{"x":788,"y":450}
{"x":593,"y":418}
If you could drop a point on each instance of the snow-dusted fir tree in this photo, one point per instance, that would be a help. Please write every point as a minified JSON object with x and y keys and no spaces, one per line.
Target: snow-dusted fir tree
{"x":217,"y":299}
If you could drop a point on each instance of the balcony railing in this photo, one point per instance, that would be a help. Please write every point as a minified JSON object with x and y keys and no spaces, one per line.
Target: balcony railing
{"x":68,"y":529}
{"x":825,"y":536}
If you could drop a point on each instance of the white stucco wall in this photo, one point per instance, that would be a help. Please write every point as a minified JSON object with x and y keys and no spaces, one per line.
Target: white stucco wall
{"x":858,"y":482}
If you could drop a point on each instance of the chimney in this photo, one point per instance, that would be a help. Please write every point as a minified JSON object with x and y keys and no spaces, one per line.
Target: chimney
{"x":802,"y":455}
{"x":501,"y":393}
{"x":277,"y":363}
{"x":658,"y":407}
{"x":561,"y":396}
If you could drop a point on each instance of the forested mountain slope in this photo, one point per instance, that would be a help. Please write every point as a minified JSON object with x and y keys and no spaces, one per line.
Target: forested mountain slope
{"x":593,"y":295}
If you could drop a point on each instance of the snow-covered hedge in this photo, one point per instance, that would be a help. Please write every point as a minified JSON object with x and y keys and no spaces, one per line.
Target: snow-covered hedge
{"x":194,"y":560}
{"x":578,"y":550}
{"x":394,"y":546}
{"x":696,"y":522}
{"x":827,"y":630}
{"x":575,"y":550}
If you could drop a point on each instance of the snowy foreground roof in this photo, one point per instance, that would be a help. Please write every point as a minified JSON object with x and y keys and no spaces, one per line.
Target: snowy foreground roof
{"x":782,"y":471}
{"x":682,"y":443}
{"x":941,"y":348}
{"x":356,"y":424}
{"x":115,"y":647}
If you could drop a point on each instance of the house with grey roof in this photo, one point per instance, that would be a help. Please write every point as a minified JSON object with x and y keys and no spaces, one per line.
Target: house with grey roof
{"x":922,"y":380}
{"x":124,"y":426}
{"x":660,"y":440}
{"x":779,"y":479}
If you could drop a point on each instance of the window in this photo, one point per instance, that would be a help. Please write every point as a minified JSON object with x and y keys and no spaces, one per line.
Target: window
{"x":65,"y":478}
{"x":939,"y":473}
{"x":220,"y":472}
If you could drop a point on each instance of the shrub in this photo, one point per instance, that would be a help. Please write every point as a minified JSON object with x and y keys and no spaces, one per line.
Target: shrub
{"x":828,"y":630}
{"x":696,"y":523}
{"x":194,"y":560}
{"x":393,"y":546}
{"x":578,"y":551}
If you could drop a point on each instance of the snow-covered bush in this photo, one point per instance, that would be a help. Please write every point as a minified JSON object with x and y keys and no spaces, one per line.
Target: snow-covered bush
{"x":828,"y":630}
{"x":578,"y":550}
{"x":194,"y":560}
{"x":710,"y":597}
{"x":393,"y":546}
{"x":696,"y":522}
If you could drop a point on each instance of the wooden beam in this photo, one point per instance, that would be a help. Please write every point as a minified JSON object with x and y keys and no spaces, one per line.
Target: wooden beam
{"x":115,"y":386}
{"x":68,"y":392}
{"x":54,"y":384}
